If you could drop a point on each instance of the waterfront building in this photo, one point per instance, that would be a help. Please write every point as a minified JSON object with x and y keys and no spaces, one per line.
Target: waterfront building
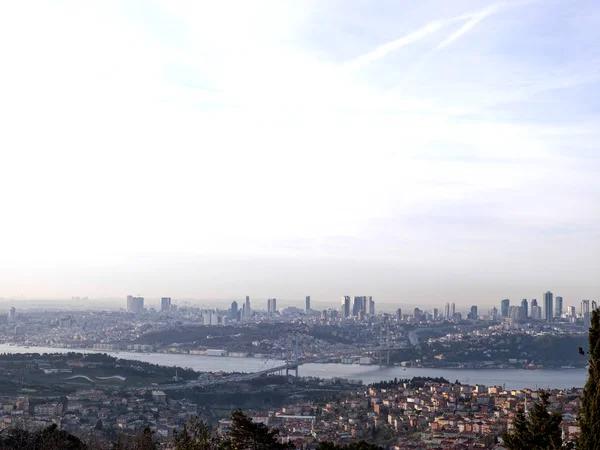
{"x":559,"y":306}
{"x":548,"y":310}
{"x":585,"y":313}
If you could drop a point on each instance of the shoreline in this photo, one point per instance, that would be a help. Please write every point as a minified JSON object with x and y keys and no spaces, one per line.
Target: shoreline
{"x":115,"y":353}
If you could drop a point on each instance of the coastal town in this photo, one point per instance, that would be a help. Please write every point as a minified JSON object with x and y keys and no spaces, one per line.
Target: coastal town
{"x":397,"y":414}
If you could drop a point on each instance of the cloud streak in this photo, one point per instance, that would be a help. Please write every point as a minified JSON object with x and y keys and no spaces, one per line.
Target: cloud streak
{"x":384,"y":49}
{"x":468,"y":26}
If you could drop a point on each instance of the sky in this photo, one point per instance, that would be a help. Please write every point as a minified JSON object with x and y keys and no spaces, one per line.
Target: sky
{"x":419,"y":152}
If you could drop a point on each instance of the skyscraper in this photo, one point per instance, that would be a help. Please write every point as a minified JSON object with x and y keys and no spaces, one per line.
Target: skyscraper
{"x":247,"y":308}
{"x":548,"y":310}
{"x":513,"y":312}
{"x":525,"y":307}
{"x":165,"y":304}
{"x":473,"y":315}
{"x":536,"y":312}
{"x":435,"y":313}
{"x":447,"y":310}
{"x":559,"y":307}
{"x":453,"y":310}
{"x":307,"y":308}
{"x":12,"y":314}
{"x":135,"y":304}
{"x":273,"y":305}
{"x":234,"y":310}
{"x":346,"y":306}
{"x":504,"y":305}
{"x":269,"y":307}
{"x":371,"y":306}
{"x":594,"y":305}
{"x":533,"y":302}
{"x":357,"y":306}
{"x":585,"y":313}
{"x":494,"y":313}
{"x":398,"y":314}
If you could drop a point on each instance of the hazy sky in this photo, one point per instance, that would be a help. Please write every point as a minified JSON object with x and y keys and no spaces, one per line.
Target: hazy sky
{"x":416,"y":151}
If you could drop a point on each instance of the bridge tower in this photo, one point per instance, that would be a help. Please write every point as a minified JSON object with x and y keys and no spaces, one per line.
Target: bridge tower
{"x":296,"y":354}
{"x":384,"y":341}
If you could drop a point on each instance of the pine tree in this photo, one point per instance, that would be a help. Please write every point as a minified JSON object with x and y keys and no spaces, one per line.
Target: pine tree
{"x":589,"y":415}
{"x":196,"y":435}
{"x":244,"y":434}
{"x":540,"y":430}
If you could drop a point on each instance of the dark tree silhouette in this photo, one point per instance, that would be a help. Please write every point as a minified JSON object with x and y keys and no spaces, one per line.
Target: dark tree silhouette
{"x":589,"y":414}
{"x":540,"y":430}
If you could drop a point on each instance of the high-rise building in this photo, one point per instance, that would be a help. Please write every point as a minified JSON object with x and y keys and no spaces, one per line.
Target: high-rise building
{"x":357,"y":306}
{"x":247,"y":308}
{"x":398,"y":314}
{"x":533,"y":302}
{"x":536,"y":312}
{"x":135,"y":304}
{"x":234,"y":310}
{"x":371,"y":306}
{"x":12,"y":314}
{"x":594,"y":305}
{"x":473,"y":314}
{"x":345,"y":306}
{"x":525,"y":307}
{"x":269,"y":307}
{"x":447,"y":310}
{"x":585,"y":307}
{"x":548,"y":310}
{"x":307,"y":308}
{"x":417,"y":315}
{"x":585,"y":313}
{"x":494,"y":313}
{"x":435,"y":313}
{"x":273,"y":305}
{"x":210,"y":318}
{"x":165,"y":304}
{"x":504,"y":305}
{"x":572,"y":312}
{"x":513,"y":312}
{"x":452,"y":310}
{"x":559,"y":306}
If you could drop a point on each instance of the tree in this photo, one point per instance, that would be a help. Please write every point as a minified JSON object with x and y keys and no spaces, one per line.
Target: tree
{"x":589,"y":414}
{"x":538,"y":431}
{"x":244,"y":434}
{"x":141,"y":441}
{"x":49,"y":438}
{"x":360,"y":445}
{"x":196,"y":435}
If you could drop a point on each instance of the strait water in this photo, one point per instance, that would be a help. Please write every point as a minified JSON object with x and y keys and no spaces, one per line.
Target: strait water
{"x":511,"y":379}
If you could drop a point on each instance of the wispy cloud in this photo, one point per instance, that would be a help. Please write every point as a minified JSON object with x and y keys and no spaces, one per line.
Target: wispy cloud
{"x":384,"y":49}
{"x":470,"y":24}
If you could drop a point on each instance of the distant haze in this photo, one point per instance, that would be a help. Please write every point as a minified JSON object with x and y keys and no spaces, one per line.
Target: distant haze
{"x":419,"y":152}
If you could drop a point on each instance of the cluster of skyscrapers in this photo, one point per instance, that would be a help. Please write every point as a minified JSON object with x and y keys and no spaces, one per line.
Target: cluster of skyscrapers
{"x":245,"y":312}
{"x":550,"y":309}
{"x":135,"y":304}
{"x":359,"y":307}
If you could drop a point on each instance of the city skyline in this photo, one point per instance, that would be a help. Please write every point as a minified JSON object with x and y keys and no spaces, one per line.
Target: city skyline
{"x":164,"y":304}
{"x":435,"y":151}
